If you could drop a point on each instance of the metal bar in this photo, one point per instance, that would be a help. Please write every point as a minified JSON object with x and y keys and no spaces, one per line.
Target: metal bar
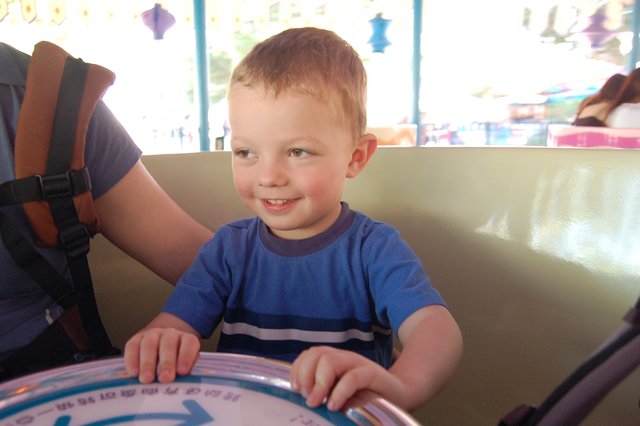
{"x":635,"y":44}
{"x":417,"y":59}
{"x":199,"y":21}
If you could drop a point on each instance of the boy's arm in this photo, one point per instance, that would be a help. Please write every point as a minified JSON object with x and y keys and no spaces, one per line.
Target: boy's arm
{"x":432,"y":347}
{"x":167,"y":345}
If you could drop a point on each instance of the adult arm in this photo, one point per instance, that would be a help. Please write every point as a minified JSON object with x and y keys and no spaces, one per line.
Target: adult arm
{"x":140,"y":218}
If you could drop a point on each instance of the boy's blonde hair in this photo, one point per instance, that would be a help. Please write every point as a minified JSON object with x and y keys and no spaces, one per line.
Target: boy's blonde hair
{"x":312,"y":61}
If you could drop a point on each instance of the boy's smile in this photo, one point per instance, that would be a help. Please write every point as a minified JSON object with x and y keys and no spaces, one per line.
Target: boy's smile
{"x":277,"y":206}
{"x":290,"y":159}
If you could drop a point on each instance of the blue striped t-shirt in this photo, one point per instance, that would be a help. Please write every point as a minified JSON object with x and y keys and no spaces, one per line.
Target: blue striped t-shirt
{"x":347,"y":287}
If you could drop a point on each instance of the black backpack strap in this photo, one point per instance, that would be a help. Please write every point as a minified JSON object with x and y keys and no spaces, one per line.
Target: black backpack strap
{"x":73,"y":235}
{"x":35,"y":265}
{"x":34,"y":188}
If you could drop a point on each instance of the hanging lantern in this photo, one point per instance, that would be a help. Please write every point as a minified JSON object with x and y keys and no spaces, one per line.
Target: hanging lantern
{"x":28,"y":8}
{"x":4,"y":9}
{"x":58,"y":11}
{"x":159,"y":20}
{"x":378,"y":40}
{"x":595,"y":32}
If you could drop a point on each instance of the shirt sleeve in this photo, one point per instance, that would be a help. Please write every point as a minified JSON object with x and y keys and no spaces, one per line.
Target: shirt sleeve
{"x":201,"y":294}
{"x":399,"y":284}
{"x":109,"y":150}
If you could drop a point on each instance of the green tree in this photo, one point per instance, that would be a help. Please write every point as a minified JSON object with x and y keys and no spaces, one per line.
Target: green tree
{"x":219,"y":73}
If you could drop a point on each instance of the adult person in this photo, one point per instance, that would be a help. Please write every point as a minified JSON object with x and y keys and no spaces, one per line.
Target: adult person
{"x":593,"y":109}
{"x":624,"y":111}
{"x":134,"y":212}
{"x":308,"y":280}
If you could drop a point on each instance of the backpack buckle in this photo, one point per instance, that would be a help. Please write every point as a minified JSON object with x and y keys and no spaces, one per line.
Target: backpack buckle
{"x":53,"y":186}
{"x":75,"y":240}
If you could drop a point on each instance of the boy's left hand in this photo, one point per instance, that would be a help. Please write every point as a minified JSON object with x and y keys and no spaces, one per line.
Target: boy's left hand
{"x":323,"y":373}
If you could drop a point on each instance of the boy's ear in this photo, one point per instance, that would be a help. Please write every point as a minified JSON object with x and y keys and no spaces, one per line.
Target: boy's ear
{"x":361,"y":154}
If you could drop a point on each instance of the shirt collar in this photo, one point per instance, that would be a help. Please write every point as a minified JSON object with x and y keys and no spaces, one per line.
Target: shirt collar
{"x":310,"y":245}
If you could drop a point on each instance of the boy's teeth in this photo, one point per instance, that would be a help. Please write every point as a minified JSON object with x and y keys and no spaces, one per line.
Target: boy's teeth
{"x":277,"y":201}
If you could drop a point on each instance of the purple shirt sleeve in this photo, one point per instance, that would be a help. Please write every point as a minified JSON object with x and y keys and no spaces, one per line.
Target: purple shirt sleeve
{"x":109,"y":150}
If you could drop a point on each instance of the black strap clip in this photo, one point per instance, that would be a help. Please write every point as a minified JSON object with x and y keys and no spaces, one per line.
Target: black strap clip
{"x":54,"y":186}
{"x":70,"y":183}
{"x":75,"y":240}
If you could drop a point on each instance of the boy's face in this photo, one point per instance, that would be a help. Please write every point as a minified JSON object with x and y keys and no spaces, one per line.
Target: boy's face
{"x":290,"y":159}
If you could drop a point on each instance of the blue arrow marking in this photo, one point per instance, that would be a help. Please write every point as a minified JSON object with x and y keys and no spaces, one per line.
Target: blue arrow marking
{"x":195,"y":417}
{"x":63,"y":421}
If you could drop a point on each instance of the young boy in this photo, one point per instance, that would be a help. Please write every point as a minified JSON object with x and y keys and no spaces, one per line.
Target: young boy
{"x":308,"y":280}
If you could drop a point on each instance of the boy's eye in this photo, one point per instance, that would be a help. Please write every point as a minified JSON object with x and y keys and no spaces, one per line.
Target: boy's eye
{"x":244,"y":153}
{"x":299,"y":153}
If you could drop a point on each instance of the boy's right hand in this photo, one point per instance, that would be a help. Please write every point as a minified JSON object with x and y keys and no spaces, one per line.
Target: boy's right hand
{"x":165,"y":350}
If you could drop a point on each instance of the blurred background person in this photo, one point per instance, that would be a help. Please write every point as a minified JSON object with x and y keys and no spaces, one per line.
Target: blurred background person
{"x":593,"y":109}
{"x":624,"y":111}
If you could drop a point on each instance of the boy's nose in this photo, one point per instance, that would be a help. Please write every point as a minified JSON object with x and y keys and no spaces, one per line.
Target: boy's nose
{"x":272,"y":173}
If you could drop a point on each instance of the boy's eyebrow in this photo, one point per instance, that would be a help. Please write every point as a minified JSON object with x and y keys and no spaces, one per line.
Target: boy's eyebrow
{"x":236,"y":141}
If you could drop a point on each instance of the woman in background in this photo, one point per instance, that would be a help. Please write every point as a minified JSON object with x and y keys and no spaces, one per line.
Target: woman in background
{"x":593,"y":109}
{"x":624,"y":111}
